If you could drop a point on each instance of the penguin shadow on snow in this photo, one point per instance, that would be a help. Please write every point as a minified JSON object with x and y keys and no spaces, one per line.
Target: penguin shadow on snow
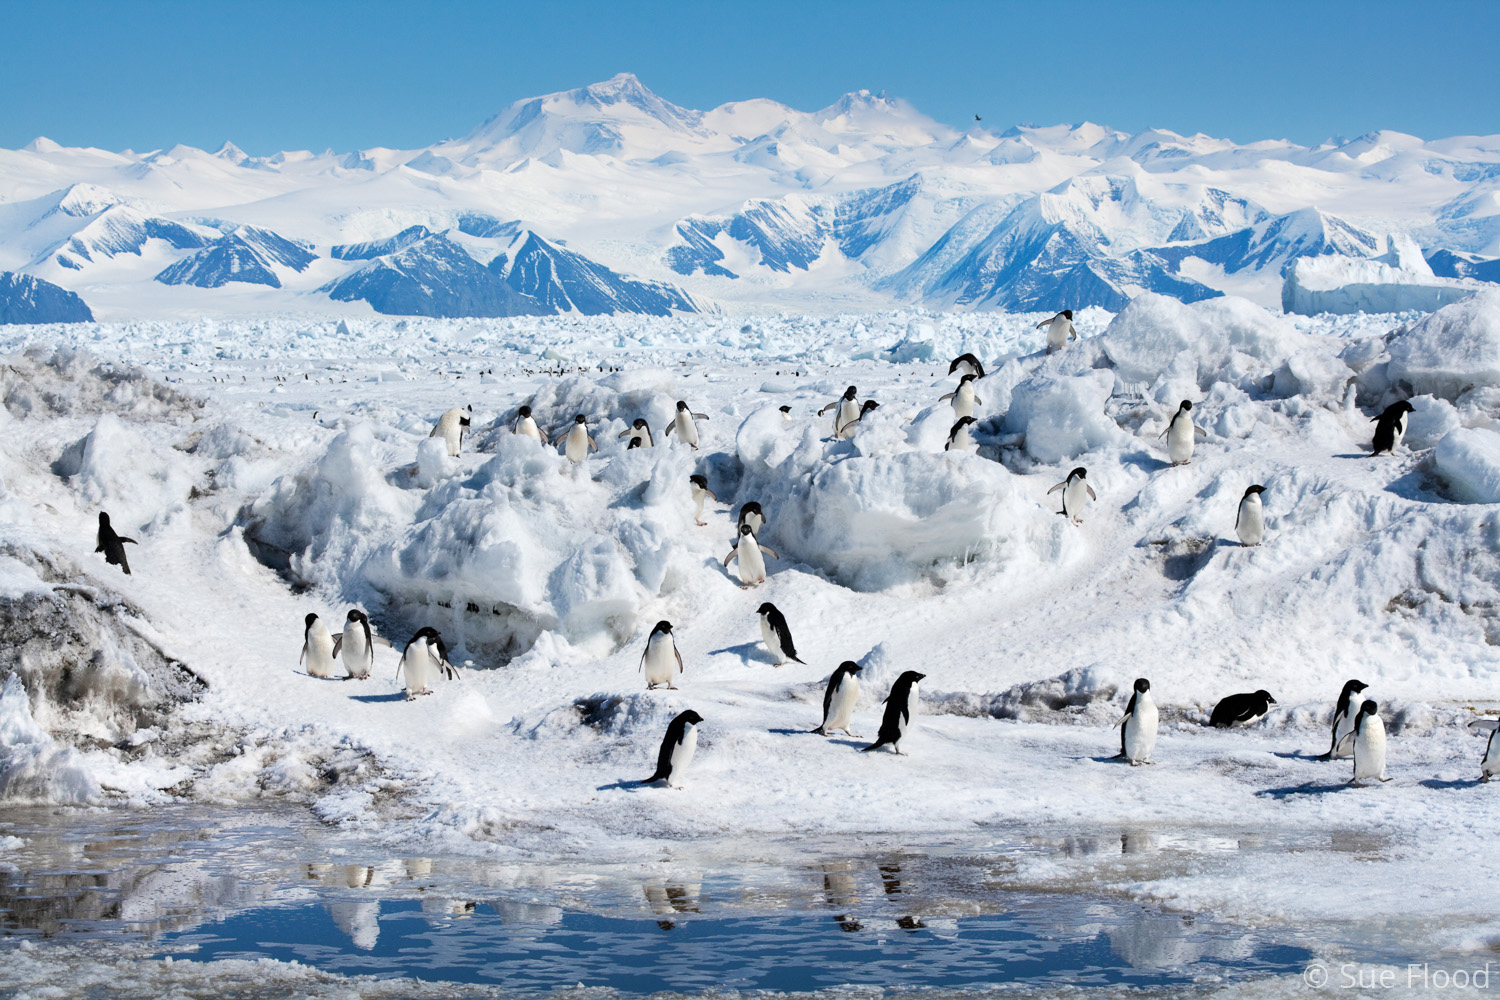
{"x":375,"y":699}
{"x":746,"y":651}
{"x":1306,"y":788}
{"x":1302,"y":755}
{"x":1145,"y":461}
{"x":1439,"y":783}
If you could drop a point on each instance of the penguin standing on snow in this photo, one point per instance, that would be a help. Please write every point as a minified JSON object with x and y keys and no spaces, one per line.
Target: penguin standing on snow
{"x":451,"y":427}
{"x":845,"y":411}
{"x":660,"y":657}
{"x":1489,"y":766}
{"x":1059,"y":330}
{"x":1344,"y":714}
{"x":1076,"y":493}
{"x":317,"y":647}
{"x":752,"y":564}
{"x":685,"y":424}
{"x":113,"y":545}
{"x":425,"y":659}
{"x":355,"y":646}
{"x":752,"y":515}
{"x":839,"y":698}
{"x":1390,"y":428}
{"x":525,"y":426}
{"x":701,"y":492}
{"x":898,"y":709}
{"x":1369,"y":744}
{"x":963,"y":398}
{"x":1138,"y":728}
{"x":968,"y":365}
{"x":1241,"y":709}
{"x":1250,"y":519}
{"x":776,"y":635}
{"x":786,"y":414}
{"x":578,"y":442}
{"x":639,"y":434}
{"x":677,"y":749}
{"x":1181,"y":433}
{"x":959,"y":437}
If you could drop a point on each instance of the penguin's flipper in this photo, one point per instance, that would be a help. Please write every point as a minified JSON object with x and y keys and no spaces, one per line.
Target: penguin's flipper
{"x":978,"y":401}
{"x":794,"y":657}
{"x":700,"y":416}
{"x":1041,"y":324}
{"x":1485,"y":725}
{"x":1057,"y":487}
{"x":128,"y":541}
{"x":677,"y":653}
{"x":433,"y":433}
{"x":338,"y":643}
{"x":380,"y":640}
{"x":1165,"y":432}
{"x":828,"y":407}
{"x":1092,"y":494}
{"x":767,"y":548}
{"x":732,"y":553}
{"x":1199,"y":431}
{"x":671,"y":426}
{"x":946,"y":396}
{"x":303,"y":655}
{"x":712,"y":495}
{"x":625,"y":433}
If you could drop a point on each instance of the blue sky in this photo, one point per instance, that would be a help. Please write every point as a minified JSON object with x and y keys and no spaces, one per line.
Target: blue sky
{"x":274,"y":75}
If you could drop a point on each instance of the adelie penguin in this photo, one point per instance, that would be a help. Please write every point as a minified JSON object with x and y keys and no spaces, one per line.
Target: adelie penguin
{"x":752,"y":564}
{"x":452,"y":427}
{"x":425,"y":659}
{"x":1390,"y":428}
{"x":752,"y":515}
{"x":317,"y":648}
{"x":776,"y":635}
{"x":1059,"y":330}
{"x":1181,"y":433}
{"x":898,"y":711}
{"x":526,"y":426}
{"x":701,"y":492}
{"x":1369,"y":744}
{"x":639,"y":433}
{"x":578,"y":442}
{"x":660,"y":656}
{"x":355,"y":646}
{"x":786,"y":414}
{"x":1241,"y":709}
{"x":113,"y":545}
{"x":1076,"y":493}
{"x":839,"y":698}
{"x":1344,"y":714}
{"x":684,"y":422}
{"x":960,"y":435}
{"x":677,"y":749}
{"x":1138,"y":728}
{"x":1489,"y":765}
{"x":963,"y":398}
{"x":1250,"y":519}
{"x":966,"y":364}
{"x":846,"y":412}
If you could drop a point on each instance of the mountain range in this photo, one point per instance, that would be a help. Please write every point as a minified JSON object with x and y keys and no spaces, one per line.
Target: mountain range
{"x":610,"y":199}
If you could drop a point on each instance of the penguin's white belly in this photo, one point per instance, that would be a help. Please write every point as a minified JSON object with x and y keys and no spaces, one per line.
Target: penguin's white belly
{"x":1252,"y":526}
{"x":1369,"y":749}
{"x":1180,"y":440}
{"x":961,"y":440}
{"x":1342,"y":727}
{"x":1140,"y":731}
{"x":1398,"y":433}
{"x":687,"y":430}
{"x":416,"y":667}
{"x":1057,"y":332}
{"x":320,"y":651}
{"x":1491,"y":763}
{"x":755,"y":521}
{"x":963,"y":402}
{"x":451,"y":431}
{"x":752,"y":564}
{"x":526,"y":427}
{"x":661,"y":662}
{"x":577,"y":447}
{"x":682,"y":755}
{"x":1076,"y":497}
{"x":768,"y":636}
{"x":354,"y":652}
{"x":848,"y":416}
{"x":903,"y":722}
{"x":841,"y":705}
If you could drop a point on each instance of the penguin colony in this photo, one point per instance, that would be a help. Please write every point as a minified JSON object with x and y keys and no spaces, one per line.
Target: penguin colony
{"x":1357,"y":730}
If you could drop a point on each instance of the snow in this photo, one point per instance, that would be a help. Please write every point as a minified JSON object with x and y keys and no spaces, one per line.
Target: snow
{"x":1351,"y":285}
{"x":1469,"y":459}
{"x":1452,"y":351}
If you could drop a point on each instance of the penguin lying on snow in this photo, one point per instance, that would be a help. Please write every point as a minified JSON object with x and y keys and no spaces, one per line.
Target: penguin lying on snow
{"x":639,"y":433}
{"x":425,"y":659}
{"x":1344,"y":715}
{"x":677,"y":749}
{"x":1250,"y":519}
{"x":776,"y":635}
{"x":451,"y":427}
{"x":1390,"y":428}
{"x":1369,"y":744}
{"x":839,"y":698}
{"x":1138,"y":728}
{"x":317,"y":647}
{"x":1241,"y":709}
{"x":659,"y":657}
{"x":1076,"y":494}
{"x":968,"y":364}
{"x":1181,"y":433}
{"x":752,"y":564}
{"x":112,"y":545}
{"x":898,"y":708}
{"x":701,"y":492}
{"x":683,"y":423}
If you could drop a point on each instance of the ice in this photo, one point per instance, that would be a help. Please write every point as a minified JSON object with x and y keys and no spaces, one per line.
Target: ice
{"x":1468,"y":459}
{"x":33,"y":766}
{"x":1338,"y":284}
{"x":1452,"y":351}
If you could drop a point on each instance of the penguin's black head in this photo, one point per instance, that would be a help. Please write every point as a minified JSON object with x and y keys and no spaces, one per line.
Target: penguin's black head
{"x":851,"y":392}
{"x":1350,"y":687}
{"x":307,"y":622}
{"x":1369,"y":708}
{"x":786,"y":409}
{"x":1402,"y":407}
{"x":579,"y":419}
{"x":745,"y":529}
{"x":1252,"y":490}
{"x":690,"y":718}
{"x":911,"y":677}
{"x":1267,"y":696}
{"x":463,"y":421}
{"x":1187,"y":404}
{"x":1067,"y":313}
{"x":700,"y":481}
{"x":766,"y":609}
{"x":1079,"y":473}
{"x":355,"y":615}
{"x":870,"y":404}
{"x":524,"y":411}
{"x":681,"y":406}
{"x":752,"y":507}
{"x":966,"y":377}
{"x":428,"y":632}
{"x":103,"y":519}
{"x":1142,"y":685}
{"x":850,"y":667}
{"x":662,"y":626}
{"x":639,"y":422}
{"x":964,"y":422}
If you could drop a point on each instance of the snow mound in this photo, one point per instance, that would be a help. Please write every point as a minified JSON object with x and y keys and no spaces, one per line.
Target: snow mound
{"x":1468,"y":459}
{"x":1063,"y":417}
{"x":1156,"y":337}
{"x":1346,"y":285}
{"x":1455,"y":349}
{"x":1083,"y":694}
{"x":33,"y":766}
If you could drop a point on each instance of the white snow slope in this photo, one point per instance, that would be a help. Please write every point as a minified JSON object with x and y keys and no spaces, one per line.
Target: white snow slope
{"x":305,"y":448}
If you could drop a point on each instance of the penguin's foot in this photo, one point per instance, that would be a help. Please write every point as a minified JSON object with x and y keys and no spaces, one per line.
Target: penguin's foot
{"x":1136,"y":763}
{"x":701,"y":524}
{"x":671,"y":687}
{"x":1485,"y":778}
{"x":744,"y":586}
{"x":1383,"y":778}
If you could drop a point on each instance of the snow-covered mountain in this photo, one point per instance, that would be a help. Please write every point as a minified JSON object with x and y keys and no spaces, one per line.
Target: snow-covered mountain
{"x":609,"y":198}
